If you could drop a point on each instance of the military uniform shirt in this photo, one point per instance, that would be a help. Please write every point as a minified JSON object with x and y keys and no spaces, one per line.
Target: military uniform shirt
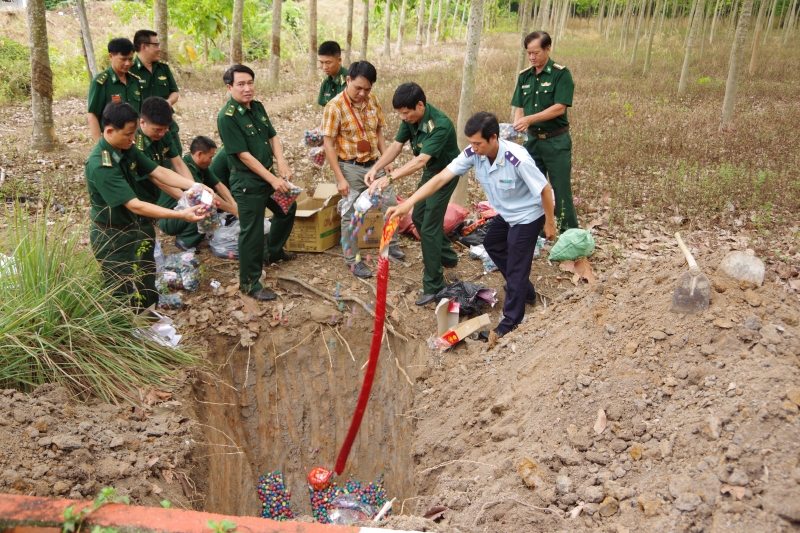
{"x":159,"y":82}
{"x":110,"y":174}
{"x":219,"y":166}
{"x":246,"y":130}
{"x":513,"y":183}
{"x":332,"y":86}
{"x":206,"y":177}
{"x":159,"y":152}
{"x":106,"y":88}
{"x":535,"y":93}
{"x":435,"y":136}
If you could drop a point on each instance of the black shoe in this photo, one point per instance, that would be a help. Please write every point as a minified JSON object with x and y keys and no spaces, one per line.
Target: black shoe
{"x":286,"y":256}
{"x":450,"y":265}
{"x":360,"y":270}
{"x":396,"y":253}
{"x":425,"y":299}
{"x":484,"y":335}
{"x":262,"y":295}
{"x":180,"y":245}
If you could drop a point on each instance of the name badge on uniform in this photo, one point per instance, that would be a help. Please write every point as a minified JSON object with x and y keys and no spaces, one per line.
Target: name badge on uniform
{"x":546,"y":84}
{"x":526,"y":86}
{"x":116,"y":98}
{"x":248,"y":125}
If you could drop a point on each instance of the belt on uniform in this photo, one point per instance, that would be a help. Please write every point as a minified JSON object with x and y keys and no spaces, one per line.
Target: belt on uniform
{"x":365,"y":164}
{"x":233,"y":169}
{"x":549,"y":134}
{"x":112,"y":226}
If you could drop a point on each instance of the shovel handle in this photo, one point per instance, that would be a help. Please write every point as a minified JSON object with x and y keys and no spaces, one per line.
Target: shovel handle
{"x":686,"y":253}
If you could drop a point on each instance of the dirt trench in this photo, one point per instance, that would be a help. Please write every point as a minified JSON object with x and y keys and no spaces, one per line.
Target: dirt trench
{"x":286,"y":404}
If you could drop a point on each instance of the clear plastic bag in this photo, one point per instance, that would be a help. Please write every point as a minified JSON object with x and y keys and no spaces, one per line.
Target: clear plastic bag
{"x":198,"y":196}
{"x":180,"y":272}
{"x":479,"y":252}
{"x":349,"y":509}
{"x":286,"y":199}
{"x":362,"y":202}
{"x":317,"y":156}
{"x":508,"y":133}
{"x":312,"y":138}
{"x":225,"y":242}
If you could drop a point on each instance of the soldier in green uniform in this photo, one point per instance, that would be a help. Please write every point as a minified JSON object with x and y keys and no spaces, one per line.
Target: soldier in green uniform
{"x":543,"y":94}
{"x":220,"y":168}
{"x":252,"y":145}
{"x":112,"y":168}
{"x":115,"y":84}
{"x":156,"y":76}
{"x":433,"y":143}
{"x":329,"y":56}
{"x":198,"y":161}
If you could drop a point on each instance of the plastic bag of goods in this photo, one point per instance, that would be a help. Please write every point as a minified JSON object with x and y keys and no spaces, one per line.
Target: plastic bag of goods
{"x":508,"y":133}
{"x":349,"y":509}
{"x":317,"y":156}
{"x":286,"y":199}
{"x":225,"y":241}
{"x":363,"y":202}
{"x":479,"y":252}
{"x":181,"y":272}
{"x":170,"y":301}
{"x":571,"y":245}
{"x":312,"y":138}
{"x":198,"y":196}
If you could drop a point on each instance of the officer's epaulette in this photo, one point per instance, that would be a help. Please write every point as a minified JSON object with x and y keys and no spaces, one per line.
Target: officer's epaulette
{"x":431,"y":125}
{"x":511,"y":158}
{"x":140,"y":141}
{"x":526,"y":69}
{"x":559,"y":67}
{"x":230,"y":111}
{"x":106,"y":159}
{"x":134,"y":75}
{"x":162,"y":62}
{"x":469,"y":152}
{"x":101,"y":79}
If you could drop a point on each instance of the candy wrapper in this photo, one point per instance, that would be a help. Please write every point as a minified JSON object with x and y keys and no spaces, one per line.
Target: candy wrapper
{"x":198,"y":196}
{"x":286,"y":199}
{"x":317,"y":156}
{"x":508,"y":133}
{"x":312,"y":138}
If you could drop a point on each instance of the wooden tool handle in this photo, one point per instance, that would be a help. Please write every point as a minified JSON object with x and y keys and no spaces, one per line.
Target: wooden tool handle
{"x":689,"y":259}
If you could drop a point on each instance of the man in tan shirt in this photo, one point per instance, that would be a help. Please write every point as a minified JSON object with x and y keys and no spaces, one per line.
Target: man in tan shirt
{"x":352,"y":126}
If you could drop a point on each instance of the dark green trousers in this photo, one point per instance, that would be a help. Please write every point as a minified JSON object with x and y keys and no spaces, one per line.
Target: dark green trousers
{"x":115,"y":250}
{"x":146,"y":270}
{"x":252,"y":251}
{"x":553,"y":156}
{"x":428,"y":218}
{"x":187,"y":231}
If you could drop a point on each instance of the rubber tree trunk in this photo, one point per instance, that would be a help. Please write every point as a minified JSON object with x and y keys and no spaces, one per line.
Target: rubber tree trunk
{"x":714,"y":18}
{"x":162,"y":26}
{"x":312,"y":37}
{"x":237,"y":55}
{"x":420,"y":25}
{"x":687,"y":58}
{"x":387,"y":31}
{"x":544,"y":16}
{"x":275,"y":49}
{"x":771,"y":19}
{"x":430,"y":24}
{"x":733,"y":15}
{"x":365,"y":32}
{"x":692,"y":14}
{"x":650,"y":38}
{"x":474,"y":29}
{"x":737,"y":55}
{"x":623,"y":38}
{"x":523,"y":16}
{"x":401,"y":28}
{"x":762,"y":9}
{"x":703,"y":30}
{"x":455,"y":19}
{"x":610,"y":22}
{"x":348,"y":45}
{"x":443,"y":34}
{"x":44,"y":133}
{"x":438,"y":34}
{"x":463,"y":13}
{"x":788,"y":24}
{"x":86,"y":39}
{"x":600,"y":13}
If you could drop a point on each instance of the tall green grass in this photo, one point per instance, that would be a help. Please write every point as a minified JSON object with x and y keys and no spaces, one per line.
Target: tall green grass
{"x":59,"y":323}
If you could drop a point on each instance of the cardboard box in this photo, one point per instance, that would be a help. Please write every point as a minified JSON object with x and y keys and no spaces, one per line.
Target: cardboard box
{"x":372,"y":220}
{"x":446,"y":315}
{"x":461,"y":332}
{"x":317,"y":224}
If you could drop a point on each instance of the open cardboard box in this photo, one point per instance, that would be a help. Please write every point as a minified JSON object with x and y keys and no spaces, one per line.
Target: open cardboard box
{"x":461,"y":331}
{"x":317,"y":223}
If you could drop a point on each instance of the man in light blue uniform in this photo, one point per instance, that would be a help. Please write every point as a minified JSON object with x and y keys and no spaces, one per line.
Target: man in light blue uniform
{"x":520,"y":194}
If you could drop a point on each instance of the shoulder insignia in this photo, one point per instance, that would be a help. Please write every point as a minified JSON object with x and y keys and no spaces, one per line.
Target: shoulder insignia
{"x":559,"y":67}
{"x":526,"y":69}
{"x":133,"y":165}
{"x":162,"y":62}
{"x":165,"y":150}
{"x":134,"y":75}
{"x":101,"y":79}
{"x":469,"y":152}
{"x":511,"y":158}
{"x":140,"y":141}
{"x":241,"y":110}
{"x":106,"y":157}
{"x":230,"y":111}
{"x":430,"y":125}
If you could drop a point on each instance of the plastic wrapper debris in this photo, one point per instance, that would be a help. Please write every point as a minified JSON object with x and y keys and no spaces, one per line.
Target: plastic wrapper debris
{"x":349,"y":509}
{"x":361,"y":202}
{"x":317,"y":156}
{"x":198,"y":196}
{"x":479,"y":252}
{"x":170,"y":301}
{"x":474,"y":232}
{"x":743,"y":267}
{"x":572,"y":244}
{"x":312,"y":138}
{"x":286,"y":199}
{"x":470,"y":297}
{"x":158,"y":257}
{"x":508,"y":133}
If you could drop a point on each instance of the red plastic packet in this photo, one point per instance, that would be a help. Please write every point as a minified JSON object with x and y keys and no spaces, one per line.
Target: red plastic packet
{"x":320,"y":478}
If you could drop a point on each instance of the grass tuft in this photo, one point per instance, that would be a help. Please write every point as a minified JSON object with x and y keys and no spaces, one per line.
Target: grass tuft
{"x":58,"y":323}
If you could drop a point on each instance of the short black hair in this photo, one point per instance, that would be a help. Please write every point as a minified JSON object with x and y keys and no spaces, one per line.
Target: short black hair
{"x":203,"y":144}
{"x":118,"y":115}
{"x":142,"y":37}
{"x":485,"y":123}
{"x":228,"y":76}
{"x":330,"y":48}
{"x":120,"y":45}
{"x":156,"y":110}
{"x":365,"y":69}
{"x":543,"y":36}
{"x":408,"y":95}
